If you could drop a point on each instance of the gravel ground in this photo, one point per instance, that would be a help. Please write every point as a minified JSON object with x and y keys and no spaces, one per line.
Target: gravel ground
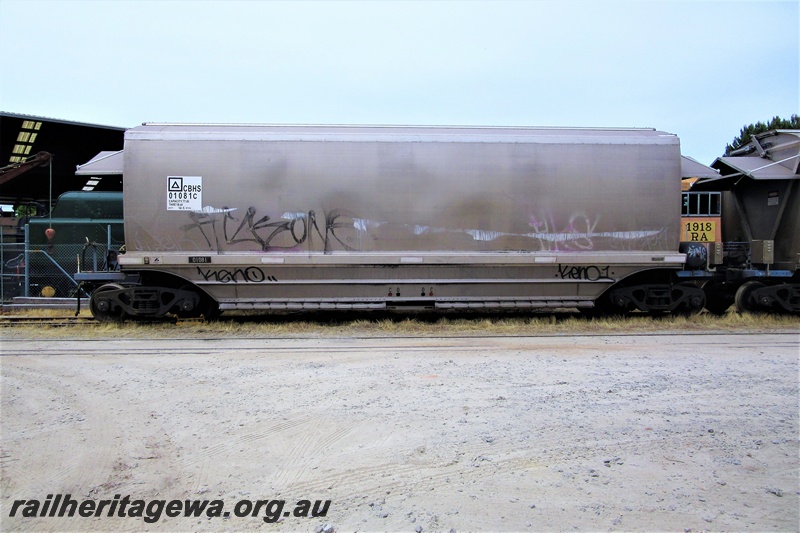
{"x":646,"y":432}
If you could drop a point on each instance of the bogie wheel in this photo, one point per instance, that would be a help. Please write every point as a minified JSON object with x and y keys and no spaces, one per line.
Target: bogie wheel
{"x":694,"y":303}
{"x":197,"y":310}
{"x":102,"y":309}
{"x":206,"y":307}
{"x":745,"y":303}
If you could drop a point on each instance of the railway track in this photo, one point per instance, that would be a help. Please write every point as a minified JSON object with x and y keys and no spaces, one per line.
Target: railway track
{"x":22,"y":320}
{"x":16,"y":321}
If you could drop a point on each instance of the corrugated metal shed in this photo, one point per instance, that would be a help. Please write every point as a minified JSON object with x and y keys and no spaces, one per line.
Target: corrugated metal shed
{"x":70,"y":143}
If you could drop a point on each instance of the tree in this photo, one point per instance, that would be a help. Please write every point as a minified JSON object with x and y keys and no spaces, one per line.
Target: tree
{"x":777,"y":123}
{"x":25,"y":210}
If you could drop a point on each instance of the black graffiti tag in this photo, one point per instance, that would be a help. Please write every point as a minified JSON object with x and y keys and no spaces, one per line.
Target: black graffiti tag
{"x":299,"y":230}
{"x":203,"y":218}
{"x":272,"y":234}
{"x":586,"y":273}
{"x":239,"y":275}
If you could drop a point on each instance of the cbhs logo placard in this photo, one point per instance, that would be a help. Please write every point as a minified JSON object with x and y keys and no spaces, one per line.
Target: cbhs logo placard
{"x":175,"y":184}
{"x":184,"y":193}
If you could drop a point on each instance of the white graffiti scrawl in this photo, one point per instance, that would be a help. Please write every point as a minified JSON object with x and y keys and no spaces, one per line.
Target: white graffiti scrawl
{"x":580,"y":233}
{"x":219,"y":227}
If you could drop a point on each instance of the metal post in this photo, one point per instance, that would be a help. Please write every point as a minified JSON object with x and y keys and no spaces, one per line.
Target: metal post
{"x":27,"y":256}
{"x":2,"y":265}
{"x":108,"y":245}
{"x":50,"y":198}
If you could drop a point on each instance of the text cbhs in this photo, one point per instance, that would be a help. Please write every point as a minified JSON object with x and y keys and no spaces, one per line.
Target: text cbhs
{"x":271,"y":510}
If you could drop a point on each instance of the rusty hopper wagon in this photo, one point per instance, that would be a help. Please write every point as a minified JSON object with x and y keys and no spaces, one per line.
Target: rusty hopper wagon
{"x":757,"y":264}
{"x":241,"y":217}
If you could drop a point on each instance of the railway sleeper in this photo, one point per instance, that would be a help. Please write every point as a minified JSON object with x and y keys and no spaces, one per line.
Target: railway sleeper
{"x":651,"y":298}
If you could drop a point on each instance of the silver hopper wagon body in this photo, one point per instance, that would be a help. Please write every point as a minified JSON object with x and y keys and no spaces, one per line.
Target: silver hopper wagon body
{"x":224,"y":217}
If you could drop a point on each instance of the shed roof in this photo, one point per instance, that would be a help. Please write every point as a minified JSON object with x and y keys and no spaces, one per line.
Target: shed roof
{"x":103,"y":164}
{"x":691,"y":168}
{"x":69,"y":143}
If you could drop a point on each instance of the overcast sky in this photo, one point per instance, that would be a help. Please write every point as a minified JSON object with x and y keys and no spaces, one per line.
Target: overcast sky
{"x":700,"y":70}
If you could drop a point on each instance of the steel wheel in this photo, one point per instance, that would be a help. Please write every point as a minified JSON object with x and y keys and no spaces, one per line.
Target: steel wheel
{"x":103,"y":309}
{"x":694,"y":303}
{"x":745,"y":303}
{"x":206,"y":307}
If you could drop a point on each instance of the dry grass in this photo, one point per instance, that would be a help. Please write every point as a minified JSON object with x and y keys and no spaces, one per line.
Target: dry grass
{"x":331,"y":326}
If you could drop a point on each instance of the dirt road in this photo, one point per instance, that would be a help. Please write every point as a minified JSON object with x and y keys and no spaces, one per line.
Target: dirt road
{"x":649,"y":432}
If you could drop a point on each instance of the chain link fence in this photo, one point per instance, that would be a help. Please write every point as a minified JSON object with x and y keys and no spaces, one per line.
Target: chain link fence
{"x":12,"y":267}
{"x":42,"y":270}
